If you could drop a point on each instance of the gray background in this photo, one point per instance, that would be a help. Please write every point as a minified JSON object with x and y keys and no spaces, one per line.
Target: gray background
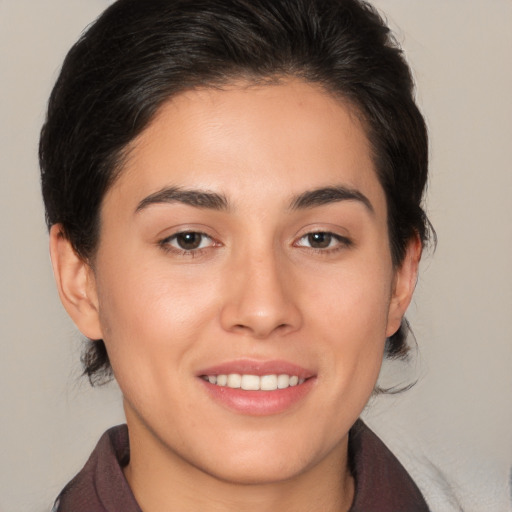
{"x":453,"y":429}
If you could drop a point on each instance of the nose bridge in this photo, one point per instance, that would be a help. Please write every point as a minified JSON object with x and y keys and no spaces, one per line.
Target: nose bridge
{"x":260,"y":301}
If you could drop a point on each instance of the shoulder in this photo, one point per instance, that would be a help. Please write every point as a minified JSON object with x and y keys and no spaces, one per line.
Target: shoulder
{"x":101,"y":486}
{"x":381,"y":483}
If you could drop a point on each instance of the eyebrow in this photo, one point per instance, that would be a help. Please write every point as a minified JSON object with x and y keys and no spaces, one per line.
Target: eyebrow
{"x":196,"y":198}
{"x":327,"y":195}
{"x":215,"y":201}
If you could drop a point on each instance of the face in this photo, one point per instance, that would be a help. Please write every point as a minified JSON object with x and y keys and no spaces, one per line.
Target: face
{"x":245,"y":243}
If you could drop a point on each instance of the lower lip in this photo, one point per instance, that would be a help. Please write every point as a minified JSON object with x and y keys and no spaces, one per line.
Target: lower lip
{"x":259,"y":403}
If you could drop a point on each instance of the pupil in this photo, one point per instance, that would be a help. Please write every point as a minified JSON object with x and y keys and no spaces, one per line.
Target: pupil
{"x":319,"y":240}
{"x":189,"y":241}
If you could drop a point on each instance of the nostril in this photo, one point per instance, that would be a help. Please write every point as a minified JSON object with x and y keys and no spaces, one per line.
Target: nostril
{"x":260,"y":331}
{"x":259,"y":314}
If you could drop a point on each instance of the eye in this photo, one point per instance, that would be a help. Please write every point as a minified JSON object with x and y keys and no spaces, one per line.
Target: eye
{"x":188,"y":241}
{"x":323,"y":240}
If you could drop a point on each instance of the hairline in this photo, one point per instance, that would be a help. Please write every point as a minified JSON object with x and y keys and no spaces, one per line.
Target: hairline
{"x":245,"y":80}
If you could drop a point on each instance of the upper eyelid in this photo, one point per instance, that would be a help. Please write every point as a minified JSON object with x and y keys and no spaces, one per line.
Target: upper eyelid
{"x":327,"y":231}
{"x":323,"y":226}
{"x":183,"y":231}
{"x":342,"y":239}
{"x":336,"y":236}
{"x":166,"y":241}
{"x":187,"y":231}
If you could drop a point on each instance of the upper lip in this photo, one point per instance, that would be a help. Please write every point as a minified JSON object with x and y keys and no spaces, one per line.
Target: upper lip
{"x":253,"y":367}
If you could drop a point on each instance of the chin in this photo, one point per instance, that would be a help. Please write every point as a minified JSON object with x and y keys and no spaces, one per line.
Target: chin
{"x":264,"y":460}
{"x":258,"y":472}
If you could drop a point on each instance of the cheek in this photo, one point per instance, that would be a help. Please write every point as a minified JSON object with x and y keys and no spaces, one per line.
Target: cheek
{"x":149,"y":315}
{"x":351,"y":316}
{"x":354,"y":299}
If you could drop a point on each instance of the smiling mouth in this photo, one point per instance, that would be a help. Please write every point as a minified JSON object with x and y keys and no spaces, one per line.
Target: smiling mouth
{"x":247,"y":382}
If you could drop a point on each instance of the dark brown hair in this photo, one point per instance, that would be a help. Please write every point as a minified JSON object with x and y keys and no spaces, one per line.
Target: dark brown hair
{"x":140,"y":53}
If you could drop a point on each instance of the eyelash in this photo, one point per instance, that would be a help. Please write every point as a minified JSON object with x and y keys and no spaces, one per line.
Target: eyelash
{"x":166,"y":244}
{"x":342,"y":242}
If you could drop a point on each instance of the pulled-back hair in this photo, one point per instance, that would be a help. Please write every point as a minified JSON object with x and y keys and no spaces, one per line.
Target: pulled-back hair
{"x":138,"y":54}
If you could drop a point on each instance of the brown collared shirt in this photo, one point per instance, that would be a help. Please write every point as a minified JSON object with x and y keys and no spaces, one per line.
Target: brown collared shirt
{"x":381,"y":483}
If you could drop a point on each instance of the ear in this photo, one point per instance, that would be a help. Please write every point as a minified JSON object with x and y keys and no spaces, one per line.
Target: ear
{"x":75,"y":283}
{"x":404,"y":283}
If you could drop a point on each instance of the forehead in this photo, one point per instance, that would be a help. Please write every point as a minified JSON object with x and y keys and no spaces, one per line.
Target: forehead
{"x":252,"y":139}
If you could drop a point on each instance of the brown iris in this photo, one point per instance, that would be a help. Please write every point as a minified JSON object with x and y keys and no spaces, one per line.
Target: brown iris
{"x":189,"y":241}
{"x":319,"y":240}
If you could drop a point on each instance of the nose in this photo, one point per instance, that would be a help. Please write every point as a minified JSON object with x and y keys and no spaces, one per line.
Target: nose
{"x":261,"y":299}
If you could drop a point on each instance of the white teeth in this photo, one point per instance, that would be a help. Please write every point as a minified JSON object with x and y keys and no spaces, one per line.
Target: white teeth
{"x":268,"y":382}
{"x":283,"y":381}
{"x":222,"y":380}
{"x":250,"y":382}
{"x":255,"y":382}
{"x":234,"y":380}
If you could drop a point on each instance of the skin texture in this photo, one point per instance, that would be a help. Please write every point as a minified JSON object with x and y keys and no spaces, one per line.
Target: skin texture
{"x":256,"y":289}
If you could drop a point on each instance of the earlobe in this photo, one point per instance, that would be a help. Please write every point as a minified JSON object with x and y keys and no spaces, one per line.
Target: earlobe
{"x":75,"y":284}
{"x":404,"y":284}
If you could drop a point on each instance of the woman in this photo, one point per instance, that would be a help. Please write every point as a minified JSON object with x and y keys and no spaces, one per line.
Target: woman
{"x":233,"y":191}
